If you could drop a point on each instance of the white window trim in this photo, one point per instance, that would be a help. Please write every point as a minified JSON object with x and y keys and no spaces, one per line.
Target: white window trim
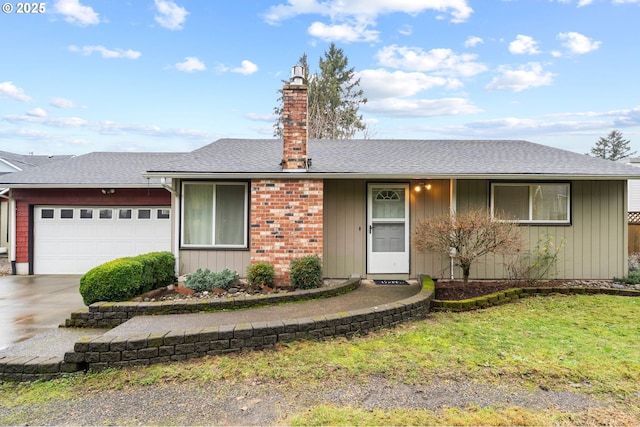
{"x":244,"y":245}
{"x":531,"y":192}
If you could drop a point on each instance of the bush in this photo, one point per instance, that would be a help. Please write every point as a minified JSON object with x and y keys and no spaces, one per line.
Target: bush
{"x":117,"y":280}
{"x":261,"y":273}
{"x":306,"y":272}
{"x":632,"y":279}
{"x":204,"y":280}
{"x":125,"y":278}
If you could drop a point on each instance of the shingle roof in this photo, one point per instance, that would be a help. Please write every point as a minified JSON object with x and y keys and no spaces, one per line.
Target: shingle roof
{"x":28,"y":161}
{"x":93,"y":169}
{"x":420,"y":158}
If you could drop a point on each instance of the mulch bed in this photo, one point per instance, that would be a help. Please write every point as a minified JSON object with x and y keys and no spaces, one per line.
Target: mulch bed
{"x":455,"y":290}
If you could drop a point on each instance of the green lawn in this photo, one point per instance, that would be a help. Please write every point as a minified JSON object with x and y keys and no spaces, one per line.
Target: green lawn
{"x":557,"y":343}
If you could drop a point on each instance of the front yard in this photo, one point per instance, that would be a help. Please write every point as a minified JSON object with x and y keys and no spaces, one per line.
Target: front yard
{"x":564,"y":360}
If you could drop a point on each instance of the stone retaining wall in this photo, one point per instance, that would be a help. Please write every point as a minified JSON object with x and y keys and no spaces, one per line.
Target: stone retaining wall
{"x":113,"y":351}
{"x":111,"y":314}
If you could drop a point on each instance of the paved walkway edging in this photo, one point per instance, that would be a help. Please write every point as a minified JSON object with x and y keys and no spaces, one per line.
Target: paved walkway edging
{"x":111,"y":351}
{"x":97,"y":353}
{"x":112,"y":314}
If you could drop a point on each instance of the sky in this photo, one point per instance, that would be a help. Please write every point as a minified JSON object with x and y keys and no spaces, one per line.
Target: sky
{"x":79,"y":76}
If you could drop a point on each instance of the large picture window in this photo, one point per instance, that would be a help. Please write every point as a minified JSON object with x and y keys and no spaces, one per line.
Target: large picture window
{"x":532,"y":202}
{"x":214,"y":214}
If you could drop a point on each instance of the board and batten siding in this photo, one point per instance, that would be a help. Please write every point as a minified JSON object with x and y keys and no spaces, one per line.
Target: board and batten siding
{"x":345,"y":227}
{"x":594,"y":245}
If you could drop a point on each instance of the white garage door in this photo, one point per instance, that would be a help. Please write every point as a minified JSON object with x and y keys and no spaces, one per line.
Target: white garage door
{"x":73,"y":240}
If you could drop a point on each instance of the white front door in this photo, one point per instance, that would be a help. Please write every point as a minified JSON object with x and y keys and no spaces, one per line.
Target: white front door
{"x":388,"y":228}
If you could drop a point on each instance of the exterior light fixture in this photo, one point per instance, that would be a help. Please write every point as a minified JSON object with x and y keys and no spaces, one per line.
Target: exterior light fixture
{"x":108,"y":190}
{"x":418,"y":187}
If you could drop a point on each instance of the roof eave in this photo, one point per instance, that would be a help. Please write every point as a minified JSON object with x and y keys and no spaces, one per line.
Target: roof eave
{"x":378,"y":176}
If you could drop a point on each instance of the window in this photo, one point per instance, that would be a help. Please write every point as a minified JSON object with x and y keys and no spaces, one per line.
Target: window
{"x":86,"y":213}
{"x":66,"y":213}
{"x":124,"y":214}
{"x":163,"y":214}
{"x":46,"y":213}
{"x":532,"y":202}
{"x":106,"y":214}
{"x":214,"y":214}
{"x":144,"y":213}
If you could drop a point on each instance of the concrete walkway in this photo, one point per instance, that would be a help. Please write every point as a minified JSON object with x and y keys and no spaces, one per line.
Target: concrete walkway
{"x":51,"y":350}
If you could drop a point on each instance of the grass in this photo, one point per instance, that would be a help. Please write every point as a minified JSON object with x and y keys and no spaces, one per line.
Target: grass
{"x":558,"y":342}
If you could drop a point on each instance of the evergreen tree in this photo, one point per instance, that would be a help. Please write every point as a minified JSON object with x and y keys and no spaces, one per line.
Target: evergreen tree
{"x":613,"y":147}
{"x":334,"y":98}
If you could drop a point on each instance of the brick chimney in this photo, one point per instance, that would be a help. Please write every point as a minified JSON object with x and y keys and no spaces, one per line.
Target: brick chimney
{"x":294,"y":124}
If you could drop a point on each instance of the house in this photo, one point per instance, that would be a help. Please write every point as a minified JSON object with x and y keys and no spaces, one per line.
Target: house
{"x":9,"y":163}
{"x":355,"y":202}
{"x":68,"y":216}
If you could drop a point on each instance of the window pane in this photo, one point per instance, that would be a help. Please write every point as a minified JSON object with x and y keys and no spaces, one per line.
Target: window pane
{"x":198,"y":214}
{"x":230,"y":214}
{"x":511,"y":201}
{"x":46,"y":213}
{"x":388,"y":203}
{"x":550,"y":202}
{"x":66,"y":213}
{"x":144,"y":214}
{"x":163,"y":213}
{"x":106,"y":214}
{"x":124,"y":214}
{"x":86,"y":213}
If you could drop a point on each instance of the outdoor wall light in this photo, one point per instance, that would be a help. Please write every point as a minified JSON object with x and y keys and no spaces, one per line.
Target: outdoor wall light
{"x":108,"y":190}
{"x":418,"y":188}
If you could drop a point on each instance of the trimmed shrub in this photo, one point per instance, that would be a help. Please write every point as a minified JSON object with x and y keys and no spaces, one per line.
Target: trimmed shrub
{"x":117,"y":280}
{"x":125,"y":278}
{"x":306,"y":272}
{"x":204,"y":280}
{"x":261,"y":273}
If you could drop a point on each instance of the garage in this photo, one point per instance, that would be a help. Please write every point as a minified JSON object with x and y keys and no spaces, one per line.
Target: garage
{"x":74,"y":239}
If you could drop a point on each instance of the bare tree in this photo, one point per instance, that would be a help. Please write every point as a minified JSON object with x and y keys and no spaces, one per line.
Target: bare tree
{"x":467,"y":236}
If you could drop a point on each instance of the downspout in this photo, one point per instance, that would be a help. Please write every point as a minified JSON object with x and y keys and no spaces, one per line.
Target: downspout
{"x":453,"y":203}
{"x":11,"y":224}
{"x":175,"y":198}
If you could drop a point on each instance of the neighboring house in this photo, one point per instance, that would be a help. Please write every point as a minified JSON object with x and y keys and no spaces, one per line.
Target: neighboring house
{"x":355,"y":202}
{"x":9,"y":163}
{"x":633,"y":208}
{"x":71,"y":215}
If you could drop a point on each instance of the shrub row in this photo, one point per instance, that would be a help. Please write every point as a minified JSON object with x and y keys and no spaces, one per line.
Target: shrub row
{"x":125,"y":278}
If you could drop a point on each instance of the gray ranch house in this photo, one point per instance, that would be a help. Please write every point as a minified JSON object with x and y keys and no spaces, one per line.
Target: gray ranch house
{"x":355,"y":203}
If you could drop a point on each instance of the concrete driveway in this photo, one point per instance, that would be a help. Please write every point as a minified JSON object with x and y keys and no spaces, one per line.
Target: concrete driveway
{"x":30,"y":305}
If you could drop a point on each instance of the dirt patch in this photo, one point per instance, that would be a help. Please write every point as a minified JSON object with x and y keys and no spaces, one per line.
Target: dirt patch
{"x":456,"y":290}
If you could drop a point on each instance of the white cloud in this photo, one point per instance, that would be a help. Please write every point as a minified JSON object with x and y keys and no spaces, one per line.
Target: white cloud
{"x":421,"y":107}
{"x":105,"y":52}
{"x":351,"y":20}
{"x":365,"y":10}
{"x":257,"y":117}
{"x":170,"y":15}
{"x":524,"y":77}
{"x":473,"y":41}
{"x":578,"y":43}
{"x":342,"y":32}
{"x":76,"y":13}
{"x":9,"y":90}
{"x":37,"y":112}
{"x":435,"y":60}
{"x":191,"y":64}
{"x":524,"y":45}
{"x":63,"y":103}
{"x":406,"y":30}
{"x":381,"y":83}
{"x":246,"y":68}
